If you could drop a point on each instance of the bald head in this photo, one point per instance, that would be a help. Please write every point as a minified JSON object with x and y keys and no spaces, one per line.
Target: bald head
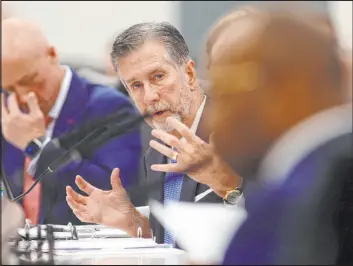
{"x":22,"y":39}
{"x":216,"y":36}
{"x":29,"y":62}
{"x":273,"y":70}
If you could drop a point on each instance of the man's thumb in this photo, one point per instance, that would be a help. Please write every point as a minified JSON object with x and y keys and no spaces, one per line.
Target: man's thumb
{"x":32,"y":102}
{"x":115,"y":179}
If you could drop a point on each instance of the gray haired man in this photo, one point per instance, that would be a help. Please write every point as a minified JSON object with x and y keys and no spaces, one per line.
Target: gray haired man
{"x":152,"y":60}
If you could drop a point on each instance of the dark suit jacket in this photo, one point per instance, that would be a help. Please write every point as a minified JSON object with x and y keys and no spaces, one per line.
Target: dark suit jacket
{"x":190,"y":188}
{"x":85,"y":101}
{"x":308,"y":220}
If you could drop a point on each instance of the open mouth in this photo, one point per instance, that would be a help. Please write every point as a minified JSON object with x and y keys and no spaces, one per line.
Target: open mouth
{"x":159,"y":113}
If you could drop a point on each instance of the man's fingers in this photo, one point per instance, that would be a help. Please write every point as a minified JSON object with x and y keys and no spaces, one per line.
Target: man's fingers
{"x":162,"y":149}
{"x":4,"y":111}
{"x":181,"y":128}
{"x":82,"y":216}
{"x":165,"y":167}
{"x":77,"y":197}
{"x":74,"y":205}
{"x":3,"y":105}
{"x":32,"y":102}
{"x":84,"y":185}
{"x":115,"y":180}
{"x":167,"y":139}
{"x":13,"y":104}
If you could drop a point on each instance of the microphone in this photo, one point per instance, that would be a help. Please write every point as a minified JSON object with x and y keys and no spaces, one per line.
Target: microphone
{"x":67,"y":140}
{"x":111,"y":132}
{"x":79,"y":150}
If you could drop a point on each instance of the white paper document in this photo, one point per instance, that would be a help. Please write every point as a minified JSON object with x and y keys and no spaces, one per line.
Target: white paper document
{"x":97,"y":244}
{"x":203,"y":230}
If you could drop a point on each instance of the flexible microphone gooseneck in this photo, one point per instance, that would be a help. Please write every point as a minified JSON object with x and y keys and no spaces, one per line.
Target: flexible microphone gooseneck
{"x":67,"y":140}
{"x":80,"y":149}
{"x":6,"y":184}
{"x":72,"y":138}
{"x":71,"y":154}
{"x":111,"y":132}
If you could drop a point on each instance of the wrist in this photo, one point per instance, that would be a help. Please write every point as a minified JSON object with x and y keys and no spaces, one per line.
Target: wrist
{"x":139,"y":226}
{"x":39,"y":136}
{"x":34,"y":147}
{"x":225,"y":183}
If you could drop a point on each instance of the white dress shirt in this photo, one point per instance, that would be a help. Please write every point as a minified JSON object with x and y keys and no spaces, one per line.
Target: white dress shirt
{"x":54,"y":114}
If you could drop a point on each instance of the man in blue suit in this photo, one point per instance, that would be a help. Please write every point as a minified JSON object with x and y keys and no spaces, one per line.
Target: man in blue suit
{"x":45,"y":100}
{"x":290,"y":126}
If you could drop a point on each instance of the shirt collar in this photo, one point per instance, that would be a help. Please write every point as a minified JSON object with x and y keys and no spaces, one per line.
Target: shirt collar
{"x":196,"y":122}
{"x":303,"y":139}
{"x":64,"y":89}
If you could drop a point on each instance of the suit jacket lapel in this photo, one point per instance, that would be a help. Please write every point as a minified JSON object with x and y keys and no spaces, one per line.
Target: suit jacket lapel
{"x":154,"y":157}
{"x":73,"y":108}
{"x":70,"y":114}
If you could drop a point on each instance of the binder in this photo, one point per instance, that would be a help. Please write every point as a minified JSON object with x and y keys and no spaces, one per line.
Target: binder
{"x":49,"y":241}
{"x":75,"y":232}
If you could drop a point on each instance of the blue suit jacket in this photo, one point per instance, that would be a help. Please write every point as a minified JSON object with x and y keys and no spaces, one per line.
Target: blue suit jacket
{"x":85,"y":101}
{"x":307,"y":220}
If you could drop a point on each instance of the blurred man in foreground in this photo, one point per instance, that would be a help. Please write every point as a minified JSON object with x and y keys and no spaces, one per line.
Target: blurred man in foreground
{"x":42,"y":100}
{"x":289,"y":123}
{"x":152,"y":60}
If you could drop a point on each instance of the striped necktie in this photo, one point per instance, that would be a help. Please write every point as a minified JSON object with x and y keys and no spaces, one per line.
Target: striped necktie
{"x":31,"y":202}
{"x":172,"y":189}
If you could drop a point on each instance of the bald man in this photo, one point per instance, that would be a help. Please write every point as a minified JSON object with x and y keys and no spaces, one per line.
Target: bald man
{"x":41,"y":100}
{"x":288,"y":123}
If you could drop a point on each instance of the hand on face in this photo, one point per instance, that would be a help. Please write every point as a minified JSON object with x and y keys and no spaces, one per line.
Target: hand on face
{"x":19,"y":128}
{"x":195,"y":158}
{"x":110,"y":208}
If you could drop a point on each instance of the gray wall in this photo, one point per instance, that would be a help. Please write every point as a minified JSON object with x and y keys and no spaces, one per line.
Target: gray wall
{"x":198,"y":16}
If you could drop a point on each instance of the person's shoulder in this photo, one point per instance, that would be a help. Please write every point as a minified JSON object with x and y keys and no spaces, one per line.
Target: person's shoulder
{"x":98,"y":92}
{"x":102,"y":98}
{"x":106,"y":93}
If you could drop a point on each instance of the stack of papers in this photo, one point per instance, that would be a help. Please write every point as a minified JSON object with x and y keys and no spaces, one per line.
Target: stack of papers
{"x":83,"y":231}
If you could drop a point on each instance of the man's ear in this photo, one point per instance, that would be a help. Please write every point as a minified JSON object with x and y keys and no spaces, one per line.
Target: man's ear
{"x":52,"y":54}
{"x":191,"y":74}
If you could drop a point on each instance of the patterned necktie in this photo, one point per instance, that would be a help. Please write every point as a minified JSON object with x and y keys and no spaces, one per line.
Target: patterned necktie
{"x":31,"y":202}
{"x":172,"y":188}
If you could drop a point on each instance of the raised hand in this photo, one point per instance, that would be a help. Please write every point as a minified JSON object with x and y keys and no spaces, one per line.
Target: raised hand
{"x":111,"y":208}
{"x":19,"y":128}
{"x":194,"y":157}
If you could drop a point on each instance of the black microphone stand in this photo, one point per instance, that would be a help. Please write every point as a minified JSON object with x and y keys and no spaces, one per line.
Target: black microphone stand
{"x":78,"y":150}
{"x":6,"y":184}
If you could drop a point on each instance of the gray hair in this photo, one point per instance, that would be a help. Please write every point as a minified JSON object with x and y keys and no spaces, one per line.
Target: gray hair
{"x":135,"y":36}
